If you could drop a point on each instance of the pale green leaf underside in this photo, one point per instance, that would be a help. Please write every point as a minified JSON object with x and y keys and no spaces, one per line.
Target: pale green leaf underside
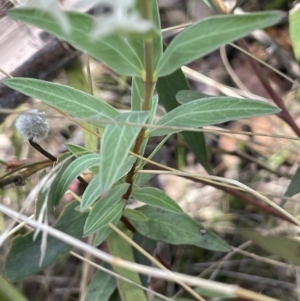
{"x":65,"y":98}
{"x":116,"y":142}
{"x":209,"y":34}
{"x":185,"y":96}
{"x":104,"y":232}
{"x":114,"y":51}
{"x":93,"y":191}
{"x":106,"y":209}
{"x":135,"y":215}
{"x":294,"y":28}
{"x":72,"y":172}
{"x":137,"y":94}
{"x":156,"y":198}
{"x":77,"y":150}
{"x":112,"y":213}
{"x":212,"y":110}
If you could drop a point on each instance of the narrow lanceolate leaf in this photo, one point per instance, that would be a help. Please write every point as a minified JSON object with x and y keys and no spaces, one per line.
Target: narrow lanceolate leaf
{"x":135,"y":215}
{"x":157,"y":41}
{"x":139,"y":44}
{"x":156,"y":198}
{"x":209,"y":34}
{"x":71,"y":173}
{"x":137,"y":94}
{"x":114,"y":51}
{"x":117,"y":140}
{"x":185,"y":96}
{"x":126,"y":166}
{"x":177,"y":229}
{"x":106,"y":209}
{"x":93,"y":191}
{"x":24,"y":255}
{"x":71,"y":101}
{"x":212,"y":110}
{"x":96,"y":292}
{"x":294,"y":27}
{"x":77,"y":150}
{"x":120,"y":248}
{"x":153,"y":108}
{"x":63,"y":162}
{"x":104,"y":232}
{"x":77,"y":80}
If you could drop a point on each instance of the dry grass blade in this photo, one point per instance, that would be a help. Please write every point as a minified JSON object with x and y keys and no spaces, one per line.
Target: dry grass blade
{"x":230,"y":290}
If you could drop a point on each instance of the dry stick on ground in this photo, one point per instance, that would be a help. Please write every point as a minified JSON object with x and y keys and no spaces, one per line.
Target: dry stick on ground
{"x":19,"y":178}
{"x":230,"y":290}
{"x":232,"y":191}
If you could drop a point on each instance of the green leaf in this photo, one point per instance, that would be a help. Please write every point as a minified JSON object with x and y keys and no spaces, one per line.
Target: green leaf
{"x":137,"y":94}
{"x":212,"y":110}
{"x":67,"y":99}
{"x":106,"y":209}
{"x":177,"y":229}
{"x":111,"y":213}
{"x":150,"y":121}
{"x":126,"y":166}
{"x":120,"y":248}
{"x":209,"y":34}
{"x":116,"y":142}
{"x":141,"y":179}
{"x":78,"y":150}
{"x":138,"y":44}
{"x":157,"y":41}
{"x":24,"y":255}
{"x":71,"y":173}
{"x":283,"y":247}
{"x":93,"y":191}
{"x":156,"y":198}
{"x":114,"y":51}
{"x":9,"y":292}
{"x":185,"y":96}
{"x":167,"y":88}
{"x":153,"y":109}
{"x":77,"y":80}
{"x":101,"y":287}
{"x":63,"y":162}
{"x":135,"y":215}
{"x":104,"y":232}
{"x":294,"y":27}
{"x":294,"y":186}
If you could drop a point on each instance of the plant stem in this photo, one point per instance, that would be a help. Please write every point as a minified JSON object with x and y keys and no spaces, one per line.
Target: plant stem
{"x":284,"y":114}
{"x":42,"y":151}
{"x":149,"y":84}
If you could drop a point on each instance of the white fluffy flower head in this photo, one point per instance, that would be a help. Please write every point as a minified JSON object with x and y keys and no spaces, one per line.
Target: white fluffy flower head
{"x":33,"y":125}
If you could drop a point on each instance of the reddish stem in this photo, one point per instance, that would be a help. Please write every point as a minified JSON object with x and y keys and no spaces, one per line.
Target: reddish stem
{"x":284,"y":114}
